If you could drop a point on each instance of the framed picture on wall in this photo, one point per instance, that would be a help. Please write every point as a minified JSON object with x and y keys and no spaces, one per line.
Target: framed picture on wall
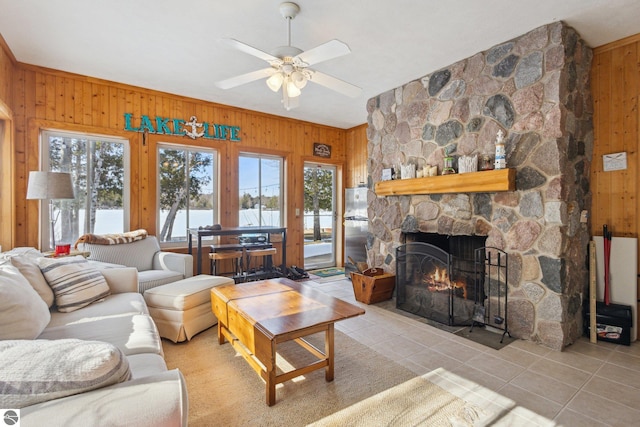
{"x":321,"y":150}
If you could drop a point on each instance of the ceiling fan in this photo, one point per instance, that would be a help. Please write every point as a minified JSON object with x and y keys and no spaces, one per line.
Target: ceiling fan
{"x":288,"y":65}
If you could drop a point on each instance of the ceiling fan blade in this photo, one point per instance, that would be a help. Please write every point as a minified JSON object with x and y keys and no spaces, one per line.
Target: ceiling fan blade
{"x":243,"y":47}
{"x":335,"y":84}
{"x":324,"y":52}
{"x":245,"y":78}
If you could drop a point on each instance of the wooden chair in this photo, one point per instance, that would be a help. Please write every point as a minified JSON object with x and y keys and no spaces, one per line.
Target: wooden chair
{"x":260,"y":271}
{"x":235,"y":256}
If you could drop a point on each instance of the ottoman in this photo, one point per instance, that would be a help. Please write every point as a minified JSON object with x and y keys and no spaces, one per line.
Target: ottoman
{"x":182,"y":309}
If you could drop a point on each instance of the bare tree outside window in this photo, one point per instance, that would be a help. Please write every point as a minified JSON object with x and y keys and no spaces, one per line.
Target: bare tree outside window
{"x":186,"y":190}
{"x":97,"y":166}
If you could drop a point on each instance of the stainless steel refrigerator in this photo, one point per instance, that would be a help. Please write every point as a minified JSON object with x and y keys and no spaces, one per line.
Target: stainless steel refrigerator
{"x":356,"y":228}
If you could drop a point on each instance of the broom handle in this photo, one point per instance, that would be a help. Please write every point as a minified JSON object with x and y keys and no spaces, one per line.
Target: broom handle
{"x":593,"y":334}
{"x":607,"y":252}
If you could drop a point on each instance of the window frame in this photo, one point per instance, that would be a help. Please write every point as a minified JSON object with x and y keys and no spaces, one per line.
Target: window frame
{"x":281,"y":178}
{"x":215,"y":185}
{"x":44,"y":138}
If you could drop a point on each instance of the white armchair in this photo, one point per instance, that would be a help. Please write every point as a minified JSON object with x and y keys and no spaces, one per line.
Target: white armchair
{"x":155,"y":267}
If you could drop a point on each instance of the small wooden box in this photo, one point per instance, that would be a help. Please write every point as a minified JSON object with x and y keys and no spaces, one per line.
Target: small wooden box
{"x":373,"y":285}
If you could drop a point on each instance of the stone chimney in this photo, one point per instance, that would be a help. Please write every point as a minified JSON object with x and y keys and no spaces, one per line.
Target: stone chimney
{"x":535,"y":88}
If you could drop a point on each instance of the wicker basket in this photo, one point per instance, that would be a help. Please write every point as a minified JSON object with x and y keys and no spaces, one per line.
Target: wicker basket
{"x":373,"y":285}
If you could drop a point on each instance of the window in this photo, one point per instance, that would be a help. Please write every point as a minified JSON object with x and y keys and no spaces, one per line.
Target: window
{"x":186,"y":183}
{"x":99,"y":169}
{"x":261,"y":189}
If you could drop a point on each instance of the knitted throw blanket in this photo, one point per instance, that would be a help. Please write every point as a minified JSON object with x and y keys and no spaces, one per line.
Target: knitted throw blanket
{"x":112,"y":239}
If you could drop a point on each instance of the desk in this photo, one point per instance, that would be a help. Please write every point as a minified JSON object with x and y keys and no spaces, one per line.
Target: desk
{"x":235,"y":231}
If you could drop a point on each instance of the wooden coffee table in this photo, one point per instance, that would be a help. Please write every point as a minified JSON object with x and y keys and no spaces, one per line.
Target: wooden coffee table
{"x":256,"y":316}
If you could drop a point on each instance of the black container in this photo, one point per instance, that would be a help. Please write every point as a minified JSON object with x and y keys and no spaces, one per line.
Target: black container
{"x":613,"y":322}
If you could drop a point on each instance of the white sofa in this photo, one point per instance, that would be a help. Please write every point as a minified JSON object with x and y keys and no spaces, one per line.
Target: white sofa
{"x":143,"y":392}
{"x":155,"y":267}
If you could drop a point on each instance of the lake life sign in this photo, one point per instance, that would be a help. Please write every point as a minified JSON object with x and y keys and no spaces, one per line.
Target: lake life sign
{"x":180,"y":127}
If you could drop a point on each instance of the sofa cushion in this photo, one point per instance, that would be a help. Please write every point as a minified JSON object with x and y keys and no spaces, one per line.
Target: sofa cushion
{"x":157,"y":400}
{"x":40,"y":370}
{"x":74,"y":282}
{"x":28,"y":266}
{"x":131,"y":333}
{"x":23,"y":314}
{"x":115,"y":305}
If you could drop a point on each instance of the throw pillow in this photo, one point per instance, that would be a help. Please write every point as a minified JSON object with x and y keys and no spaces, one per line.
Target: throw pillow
{"x":23,"y":314}
{"x":74,"y":282}
{"x":22,"y":250}
{"x":41,"y":370}
{"x":28,"y":266}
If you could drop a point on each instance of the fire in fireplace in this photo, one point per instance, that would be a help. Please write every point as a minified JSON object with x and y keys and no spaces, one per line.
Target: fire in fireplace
{"x":439,"y":281}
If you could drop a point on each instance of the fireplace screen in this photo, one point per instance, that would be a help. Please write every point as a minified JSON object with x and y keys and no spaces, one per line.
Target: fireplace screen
{"x":438,"y":281}
{"x":428,"y":285}
{"x":451,"y":286}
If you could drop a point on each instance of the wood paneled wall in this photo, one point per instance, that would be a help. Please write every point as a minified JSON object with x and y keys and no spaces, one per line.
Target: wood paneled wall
{"x":7,"y":66}
{"x":356,"y":169}
{"x":615,"y":83}
{"x":43,"y":98}
{"x":7,"y":211}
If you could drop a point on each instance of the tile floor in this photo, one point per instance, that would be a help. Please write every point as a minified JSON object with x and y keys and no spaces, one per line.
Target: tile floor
{"x":584,"y":385}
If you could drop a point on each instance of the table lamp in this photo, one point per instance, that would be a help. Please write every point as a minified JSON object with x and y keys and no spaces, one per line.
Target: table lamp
{"x":50,"y":186}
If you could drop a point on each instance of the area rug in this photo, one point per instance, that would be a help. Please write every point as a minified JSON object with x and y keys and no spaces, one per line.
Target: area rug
{"x":224,"y":390}
{"x":417,"y":402}
{"x":327,"y":272}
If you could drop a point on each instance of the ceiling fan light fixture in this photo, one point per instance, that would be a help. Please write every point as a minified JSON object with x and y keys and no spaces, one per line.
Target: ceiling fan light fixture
{"x":275,"y":81}
{"x":299,"y":79}
{"x":292,"y":89}
{"x":288,"y":65}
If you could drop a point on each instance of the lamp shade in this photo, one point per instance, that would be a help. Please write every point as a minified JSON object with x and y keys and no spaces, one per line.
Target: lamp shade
{"x":49,"y":185}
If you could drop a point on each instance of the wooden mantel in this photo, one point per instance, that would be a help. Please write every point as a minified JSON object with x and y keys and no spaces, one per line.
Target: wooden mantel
{"x":473,"y":182}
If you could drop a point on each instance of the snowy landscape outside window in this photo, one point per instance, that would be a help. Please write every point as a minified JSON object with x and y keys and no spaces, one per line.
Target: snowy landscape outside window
{"x":186,"y":190}
{"x":99,"y":168}
{"x":261,"y":190}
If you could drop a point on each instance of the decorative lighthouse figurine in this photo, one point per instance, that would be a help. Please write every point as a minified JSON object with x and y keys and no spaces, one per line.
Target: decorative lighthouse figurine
{"x":501,"y":158}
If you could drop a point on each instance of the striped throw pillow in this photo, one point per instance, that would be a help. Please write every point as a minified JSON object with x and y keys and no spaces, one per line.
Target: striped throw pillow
{"x":75,"y":283}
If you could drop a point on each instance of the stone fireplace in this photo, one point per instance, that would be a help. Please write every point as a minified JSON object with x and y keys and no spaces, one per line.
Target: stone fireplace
{"x":535,"y":88}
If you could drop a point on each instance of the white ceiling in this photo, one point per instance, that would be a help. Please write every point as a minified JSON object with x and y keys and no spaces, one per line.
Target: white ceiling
{"x":173,"y":46}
